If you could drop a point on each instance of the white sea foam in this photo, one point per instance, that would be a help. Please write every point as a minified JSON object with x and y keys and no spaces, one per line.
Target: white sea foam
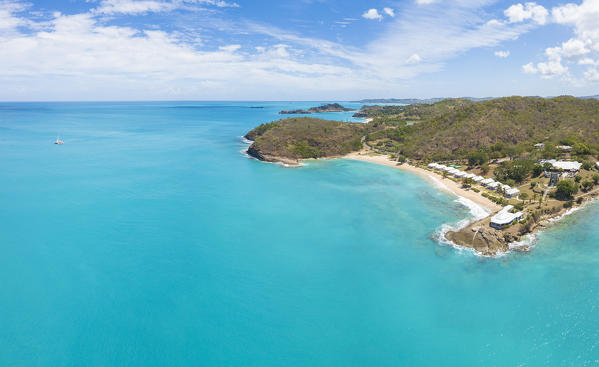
{"x":246,"y":141}
{"x":477,"y":212}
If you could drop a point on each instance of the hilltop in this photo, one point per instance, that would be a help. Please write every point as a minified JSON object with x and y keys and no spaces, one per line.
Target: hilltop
{"x":511,"y":126}
{"x":292,"y":139}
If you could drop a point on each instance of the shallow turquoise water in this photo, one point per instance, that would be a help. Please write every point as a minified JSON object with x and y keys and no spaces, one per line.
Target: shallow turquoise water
{"x":149,"y":239}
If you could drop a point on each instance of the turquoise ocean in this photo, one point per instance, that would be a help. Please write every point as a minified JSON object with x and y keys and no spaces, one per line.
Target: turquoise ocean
{"x":150,"y":239}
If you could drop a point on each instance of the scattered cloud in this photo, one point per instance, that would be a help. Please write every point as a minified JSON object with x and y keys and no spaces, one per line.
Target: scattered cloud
{"x":502,"y":54}
{"x":582,"y":49}
{"x":530,"y":11}
{"x":372,"y":14}
{"x":390,"y":12}
{"x":424,"y":2}
{"x":592,"y":74}
{"x":414,"y":59}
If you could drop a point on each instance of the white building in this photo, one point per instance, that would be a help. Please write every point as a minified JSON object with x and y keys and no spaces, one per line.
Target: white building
{"x":565,"y":148}
{"x":503,"y":187}
{"x":478,"y":178}
{"x":540,"y":146}
{"x":511,"y":193}
{"x":459,"y":174}
{"x":487,"y":181}
{"x":504,"y":217}
{"x":493,"y":185}
{"x":470,"y":175}
{"x":571,"y":166}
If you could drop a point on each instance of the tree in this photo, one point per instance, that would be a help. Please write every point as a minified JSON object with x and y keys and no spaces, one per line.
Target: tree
{"x":537,"y":170}
{"x":587,"y":165}
{"x":477,"y":158}
{"x":586,"y":185}
{"x":523,"y":196}
{"x":566,"y":189}
{"x":596,"y":179}
{"x":484,"y":169}
{"x":547,"y":166}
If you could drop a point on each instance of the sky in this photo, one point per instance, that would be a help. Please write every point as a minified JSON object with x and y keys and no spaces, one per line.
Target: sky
{"x":95,"y":50}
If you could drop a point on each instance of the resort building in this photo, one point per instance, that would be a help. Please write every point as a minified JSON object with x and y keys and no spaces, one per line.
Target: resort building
{"x":470,"y":175}
{"x":477,"y":179}
{"x":504,"y":218}
{"x":511,"y":193}
{"x":493,"y":185}
{"x":570,"y":166}
{"x":459,"y":174}
{"x":565,"y":148}
{"x":540,"y":145}
{"x":487,"y":181}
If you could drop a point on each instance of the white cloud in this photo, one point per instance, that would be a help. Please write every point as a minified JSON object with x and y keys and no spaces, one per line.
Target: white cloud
{"x":583,"y":48}
{"x":546,"y":70}
{"x":424,"y":2}
{"x":502,"y":54}
{"x":229,"y":48}
{"x":390,"y":12}
{"x":414,"y":59}
{"x":587,"y":61}
{"x":80,"y":56}
{"x":592,"y":74}
{"x":133,"y":7}
{"x":530,"y":68}
{"x":372,"y":14}
{"x":518,"y":13}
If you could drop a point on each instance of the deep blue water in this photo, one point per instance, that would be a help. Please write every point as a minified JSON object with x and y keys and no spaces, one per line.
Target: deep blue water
{"x":149,"y":239}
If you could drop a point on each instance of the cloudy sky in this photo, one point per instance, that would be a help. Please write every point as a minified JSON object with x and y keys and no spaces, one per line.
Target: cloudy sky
{"x":295,"y":49}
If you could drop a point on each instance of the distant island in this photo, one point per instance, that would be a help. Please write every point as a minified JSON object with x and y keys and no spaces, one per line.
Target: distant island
{"x":527,"y":160}
{"x":331,"y":107}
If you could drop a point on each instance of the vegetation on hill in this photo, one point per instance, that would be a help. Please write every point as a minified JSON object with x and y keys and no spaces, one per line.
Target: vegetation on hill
{"x":503,"y":127}
{"x":303,"y":137}
{"x":331,"y":107}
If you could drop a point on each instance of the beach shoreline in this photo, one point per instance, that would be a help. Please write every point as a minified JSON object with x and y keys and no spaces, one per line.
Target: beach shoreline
{"x":446,"y":185}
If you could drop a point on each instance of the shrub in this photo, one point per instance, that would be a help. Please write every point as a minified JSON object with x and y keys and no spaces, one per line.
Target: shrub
{"x":587,"y":165}
{"x":568,"y":204}
{"x":586,"y":185}
{"x":477,"y":158}
{"x":596,"y":179}
{"x":475,"y":189}
{"x":579,"y":200}
{"x":577,"y":178}
{"x":566,"y":189}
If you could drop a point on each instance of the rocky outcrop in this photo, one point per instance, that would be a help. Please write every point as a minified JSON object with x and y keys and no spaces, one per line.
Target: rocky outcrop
{"x":483,"y":238}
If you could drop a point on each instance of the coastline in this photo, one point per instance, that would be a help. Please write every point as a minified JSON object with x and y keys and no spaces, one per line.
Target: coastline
{"x":445,"y":185}
{"x":471,"y":234}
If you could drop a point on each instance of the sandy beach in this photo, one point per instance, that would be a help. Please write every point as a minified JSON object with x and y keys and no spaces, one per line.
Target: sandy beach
{"x":443,"y":183}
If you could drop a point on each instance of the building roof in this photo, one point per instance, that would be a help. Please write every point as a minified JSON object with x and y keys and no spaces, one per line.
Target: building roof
{"x":565,"y":165}
{"x":478,"y":178}
{"x":504,"y":216}
{"x":512,"y":191}
{"x":493,"y":185}
{"x":487,"y":181}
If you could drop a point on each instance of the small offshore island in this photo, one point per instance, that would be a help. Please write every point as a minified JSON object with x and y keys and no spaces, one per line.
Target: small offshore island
{"x":526,"y":160}
{"x":331,"y":107}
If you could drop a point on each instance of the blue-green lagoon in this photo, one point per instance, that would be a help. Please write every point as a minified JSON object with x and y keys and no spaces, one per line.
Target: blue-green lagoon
{"x":150,"y":239}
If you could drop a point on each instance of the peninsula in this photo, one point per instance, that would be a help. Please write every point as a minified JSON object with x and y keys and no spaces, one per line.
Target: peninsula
{"x":331,"y":107}
{"x":527,"y":160}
